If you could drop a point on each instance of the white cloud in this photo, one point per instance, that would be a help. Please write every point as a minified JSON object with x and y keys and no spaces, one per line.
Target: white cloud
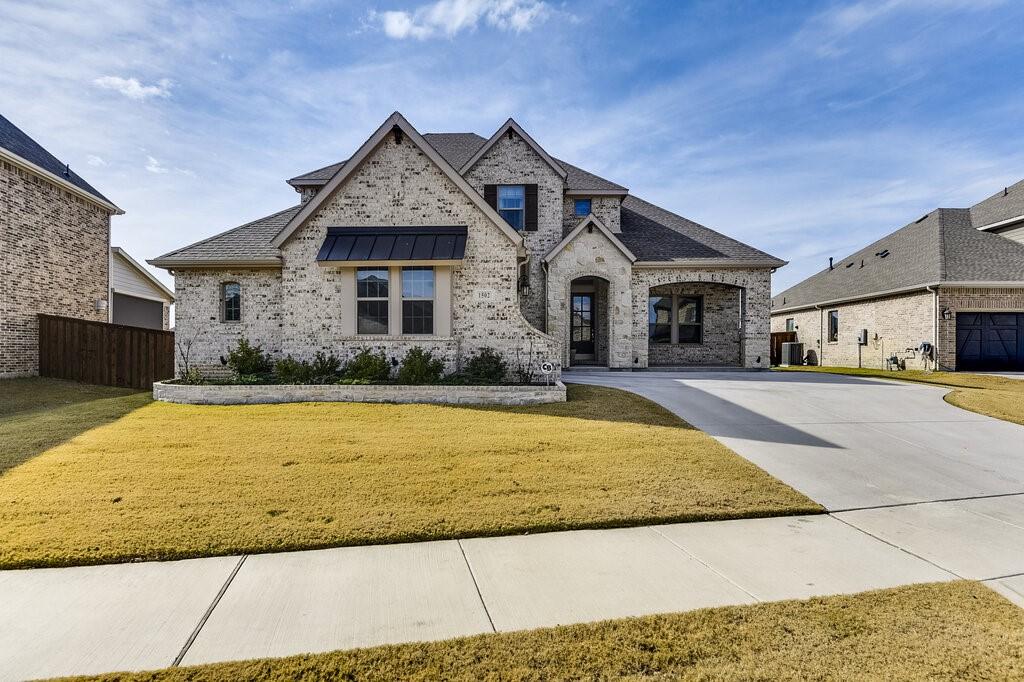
{"x":449,"y":17}
{"x":94,"y":160}
{"x":133,"y":89}
{"x":154,"y":166}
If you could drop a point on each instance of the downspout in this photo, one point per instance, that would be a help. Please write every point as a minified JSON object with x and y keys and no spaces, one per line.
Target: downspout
{"x":821,"y":337}
{"x":935,"y":325}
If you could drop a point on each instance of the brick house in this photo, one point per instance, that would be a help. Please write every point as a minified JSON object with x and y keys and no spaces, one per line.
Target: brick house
{"x":953,"y":279}
{"x":54,"y":247}
{"x":454,"y":242}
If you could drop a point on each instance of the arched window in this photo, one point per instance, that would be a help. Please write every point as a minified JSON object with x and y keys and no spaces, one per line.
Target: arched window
{"x":231,"y":301}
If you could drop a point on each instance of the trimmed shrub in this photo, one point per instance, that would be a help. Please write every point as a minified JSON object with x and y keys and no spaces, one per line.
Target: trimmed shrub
{"x":291,"y":371}
{"x":485,"y":367}
{"x":368,"y":367}
{"x":248,"y":360}
{"x":325,"y":369}
{"x":420,"y":367}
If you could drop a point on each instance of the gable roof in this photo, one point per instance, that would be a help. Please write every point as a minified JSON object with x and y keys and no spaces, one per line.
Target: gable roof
{"x":513,"y":126}
{"x":941,"y":247}
{"x":143,"y":272}
{"x":18,"y":143}
{"x":395,"y":121}
{"x":590,"y":219}
{"x":656,"y":235}
{"x":1003,"y":207}
{"x":246,"y":245}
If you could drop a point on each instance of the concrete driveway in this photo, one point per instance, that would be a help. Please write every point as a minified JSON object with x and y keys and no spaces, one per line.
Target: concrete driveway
{"x":848,"y":443}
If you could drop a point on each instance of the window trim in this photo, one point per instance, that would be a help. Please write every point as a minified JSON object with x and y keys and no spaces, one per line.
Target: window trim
{"x":431,"y":298}
{"x":576,"y":203}
{"x":790,"y":324}
{"x":833,"y":336}
{"x":521,"y":211}
{"x":673,"y":323}
{"x":224,"y":302}
{"x":385,"y":299}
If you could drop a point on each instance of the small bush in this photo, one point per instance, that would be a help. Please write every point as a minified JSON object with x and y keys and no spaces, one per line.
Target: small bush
{"x":325,"y":369}
{"x":368,"y":366}
{"x":485,"y":367}
{"x":420,"y":367}
{"x":292,"y":371}
{"x":192,"y":376}
{"x":248,"y":360}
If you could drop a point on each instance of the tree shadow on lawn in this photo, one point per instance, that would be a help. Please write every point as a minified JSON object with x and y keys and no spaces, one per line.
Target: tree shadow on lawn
{"x":37,"y":414}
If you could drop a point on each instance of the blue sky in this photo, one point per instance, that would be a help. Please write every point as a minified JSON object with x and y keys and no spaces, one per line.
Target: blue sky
{"x":804,"y":128}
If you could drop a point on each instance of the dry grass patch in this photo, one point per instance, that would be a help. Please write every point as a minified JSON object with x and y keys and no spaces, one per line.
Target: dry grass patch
{"x":948,"y":631}
{"x":995,"y":396}
{"x":171,"y":481}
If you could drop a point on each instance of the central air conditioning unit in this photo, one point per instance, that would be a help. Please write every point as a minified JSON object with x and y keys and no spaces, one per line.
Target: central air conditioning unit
{"x":792,"y":354}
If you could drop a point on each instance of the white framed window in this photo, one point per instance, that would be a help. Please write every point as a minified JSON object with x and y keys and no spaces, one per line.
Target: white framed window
{"x":833,"y":326}
{"x":418,"y":300}
{"x":790,"y":324}
{"x":512,"y":205}
{"x":372,"y":301}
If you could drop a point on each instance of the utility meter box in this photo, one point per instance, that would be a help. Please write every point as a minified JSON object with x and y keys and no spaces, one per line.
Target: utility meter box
{"x":862,"y":337}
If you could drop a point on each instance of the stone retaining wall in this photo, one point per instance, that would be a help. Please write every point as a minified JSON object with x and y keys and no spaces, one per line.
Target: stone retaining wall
{"x":385,"y":393}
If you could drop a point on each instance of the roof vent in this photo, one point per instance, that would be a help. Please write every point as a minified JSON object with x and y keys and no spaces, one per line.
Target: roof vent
{"x":883,"y":253}
{"x":67,"y":170}
{"x":921,"y":218}
{"x":850,"y":264}
{"x":862,"y":262}
{"x":1006,"y":190}
{"x":830,"y":263}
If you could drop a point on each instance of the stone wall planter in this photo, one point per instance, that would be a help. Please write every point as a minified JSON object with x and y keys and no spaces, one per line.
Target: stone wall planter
{"x":384,"y":393}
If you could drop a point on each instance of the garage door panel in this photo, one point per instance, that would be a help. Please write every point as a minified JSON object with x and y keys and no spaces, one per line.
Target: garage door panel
{"x":990,"y":341}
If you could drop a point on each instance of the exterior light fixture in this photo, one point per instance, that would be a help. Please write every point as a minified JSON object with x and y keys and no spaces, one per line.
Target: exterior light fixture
{"x":947,"y":314}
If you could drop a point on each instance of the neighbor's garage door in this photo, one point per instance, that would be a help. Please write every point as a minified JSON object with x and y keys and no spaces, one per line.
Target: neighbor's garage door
{"x":990,"y":341}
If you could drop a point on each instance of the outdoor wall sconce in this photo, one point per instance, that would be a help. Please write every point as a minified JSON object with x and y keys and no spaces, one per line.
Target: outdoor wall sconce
{"x":947,"y":314}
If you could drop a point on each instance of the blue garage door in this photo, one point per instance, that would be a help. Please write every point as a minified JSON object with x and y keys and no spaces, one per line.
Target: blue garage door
{"x":990,"y":341}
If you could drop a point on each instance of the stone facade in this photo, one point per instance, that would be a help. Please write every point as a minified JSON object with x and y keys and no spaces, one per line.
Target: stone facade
{"x":512,"y":161}
{"x":894,"y":324}
{"x":973,"y":299}
{"x":54,"y":248}
{"x":298,"y":310}
{"x":751,"y":288}
{"x":250,"y":395}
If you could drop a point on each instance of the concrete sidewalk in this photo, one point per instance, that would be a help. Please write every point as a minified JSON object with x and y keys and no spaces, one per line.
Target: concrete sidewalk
{"x":151,"y":615}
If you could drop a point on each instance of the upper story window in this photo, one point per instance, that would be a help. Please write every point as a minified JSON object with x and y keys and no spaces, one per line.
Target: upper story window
{"x":582,"y":207}
{"x":675,"y":319}
{"x":231,"y":302}
{"x":418,"y":300}
{"x":833,"y":326}
{"x":512,"y":205}
{"x":790,"y":324}
{"x":371,"y":301}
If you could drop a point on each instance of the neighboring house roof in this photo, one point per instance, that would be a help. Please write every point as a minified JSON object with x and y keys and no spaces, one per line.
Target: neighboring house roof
{"x":395,"y":123}
{"x":591,"y":219}
{"x":247,"y":244}
{"x":145,"y":274}
{"x":17,"y":142}
{"x":656,"y":235}
{"x":943,"y":246}
{"x":1004,"y":207}
{"x":650,"y":234}
{"x":511,"y":125}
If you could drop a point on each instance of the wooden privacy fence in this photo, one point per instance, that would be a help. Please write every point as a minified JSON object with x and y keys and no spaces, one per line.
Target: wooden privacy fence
{"x":779,"y":338}
{"x":104,"y":353}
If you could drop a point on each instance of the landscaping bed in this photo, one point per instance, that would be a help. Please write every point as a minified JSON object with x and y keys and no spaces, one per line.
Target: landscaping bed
{"x":155,"y":480}
{"x":946,"y":631}
{"x":994,"y":396}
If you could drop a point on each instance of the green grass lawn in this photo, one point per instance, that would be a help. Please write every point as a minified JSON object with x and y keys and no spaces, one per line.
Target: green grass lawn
{"x":124,"y":478}
{"x":947,"y":631}
{"x":994,"y":396}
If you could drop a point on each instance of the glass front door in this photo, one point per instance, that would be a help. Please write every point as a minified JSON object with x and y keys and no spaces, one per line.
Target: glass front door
{"x":582,"y":338}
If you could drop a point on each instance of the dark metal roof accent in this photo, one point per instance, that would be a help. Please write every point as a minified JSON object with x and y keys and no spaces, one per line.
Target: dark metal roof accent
{"x":393,"y":243}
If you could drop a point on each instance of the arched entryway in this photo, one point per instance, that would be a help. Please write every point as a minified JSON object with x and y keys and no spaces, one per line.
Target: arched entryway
{"x":589,"y":324}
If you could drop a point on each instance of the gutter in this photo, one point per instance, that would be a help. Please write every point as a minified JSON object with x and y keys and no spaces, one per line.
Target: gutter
{"x":706,"y":263}
{"x":168,"y":264}
{"x":1001,"y":223}
{"x":59,"y":181}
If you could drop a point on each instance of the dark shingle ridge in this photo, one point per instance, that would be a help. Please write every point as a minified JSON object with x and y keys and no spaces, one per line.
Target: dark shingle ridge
{"x":16,"y":141}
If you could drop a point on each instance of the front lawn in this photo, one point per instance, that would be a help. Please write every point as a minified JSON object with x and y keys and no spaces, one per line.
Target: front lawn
{"x":946,"y":631}
{"x":995,"y":396}
{"x":162,"y":481}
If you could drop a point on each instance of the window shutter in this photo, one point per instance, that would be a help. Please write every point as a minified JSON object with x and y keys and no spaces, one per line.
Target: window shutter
{"x":531,"y":208}
{"x":491,"y":196}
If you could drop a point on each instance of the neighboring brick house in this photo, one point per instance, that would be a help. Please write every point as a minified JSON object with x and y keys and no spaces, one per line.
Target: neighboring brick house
{"x":454,"y":242}
{"x":54,"y":247}
{"x":953,"y":279}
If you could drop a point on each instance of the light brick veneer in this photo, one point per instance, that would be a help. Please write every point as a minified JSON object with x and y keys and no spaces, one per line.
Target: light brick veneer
{"x":54,"y":259}
{"x":720,"y":344}
{"x":605,"y":209}
{"x":297,"y":310}
{"x":971,"y":299}
{"x":511,"y":161}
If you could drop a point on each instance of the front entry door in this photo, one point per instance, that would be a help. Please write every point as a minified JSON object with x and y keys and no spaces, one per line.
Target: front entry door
{"x":582,"y":338}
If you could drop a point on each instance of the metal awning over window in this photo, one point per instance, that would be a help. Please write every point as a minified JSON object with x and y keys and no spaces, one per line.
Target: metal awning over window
{"x":376,"y":244}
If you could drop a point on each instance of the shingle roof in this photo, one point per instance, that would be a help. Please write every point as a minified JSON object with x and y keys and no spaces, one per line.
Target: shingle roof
{"x":245,"y":243}
{"x":943,"y":246}
{"x":1002,"y":205}
{"x":654,"y":234}
{"x":14,"y":140}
